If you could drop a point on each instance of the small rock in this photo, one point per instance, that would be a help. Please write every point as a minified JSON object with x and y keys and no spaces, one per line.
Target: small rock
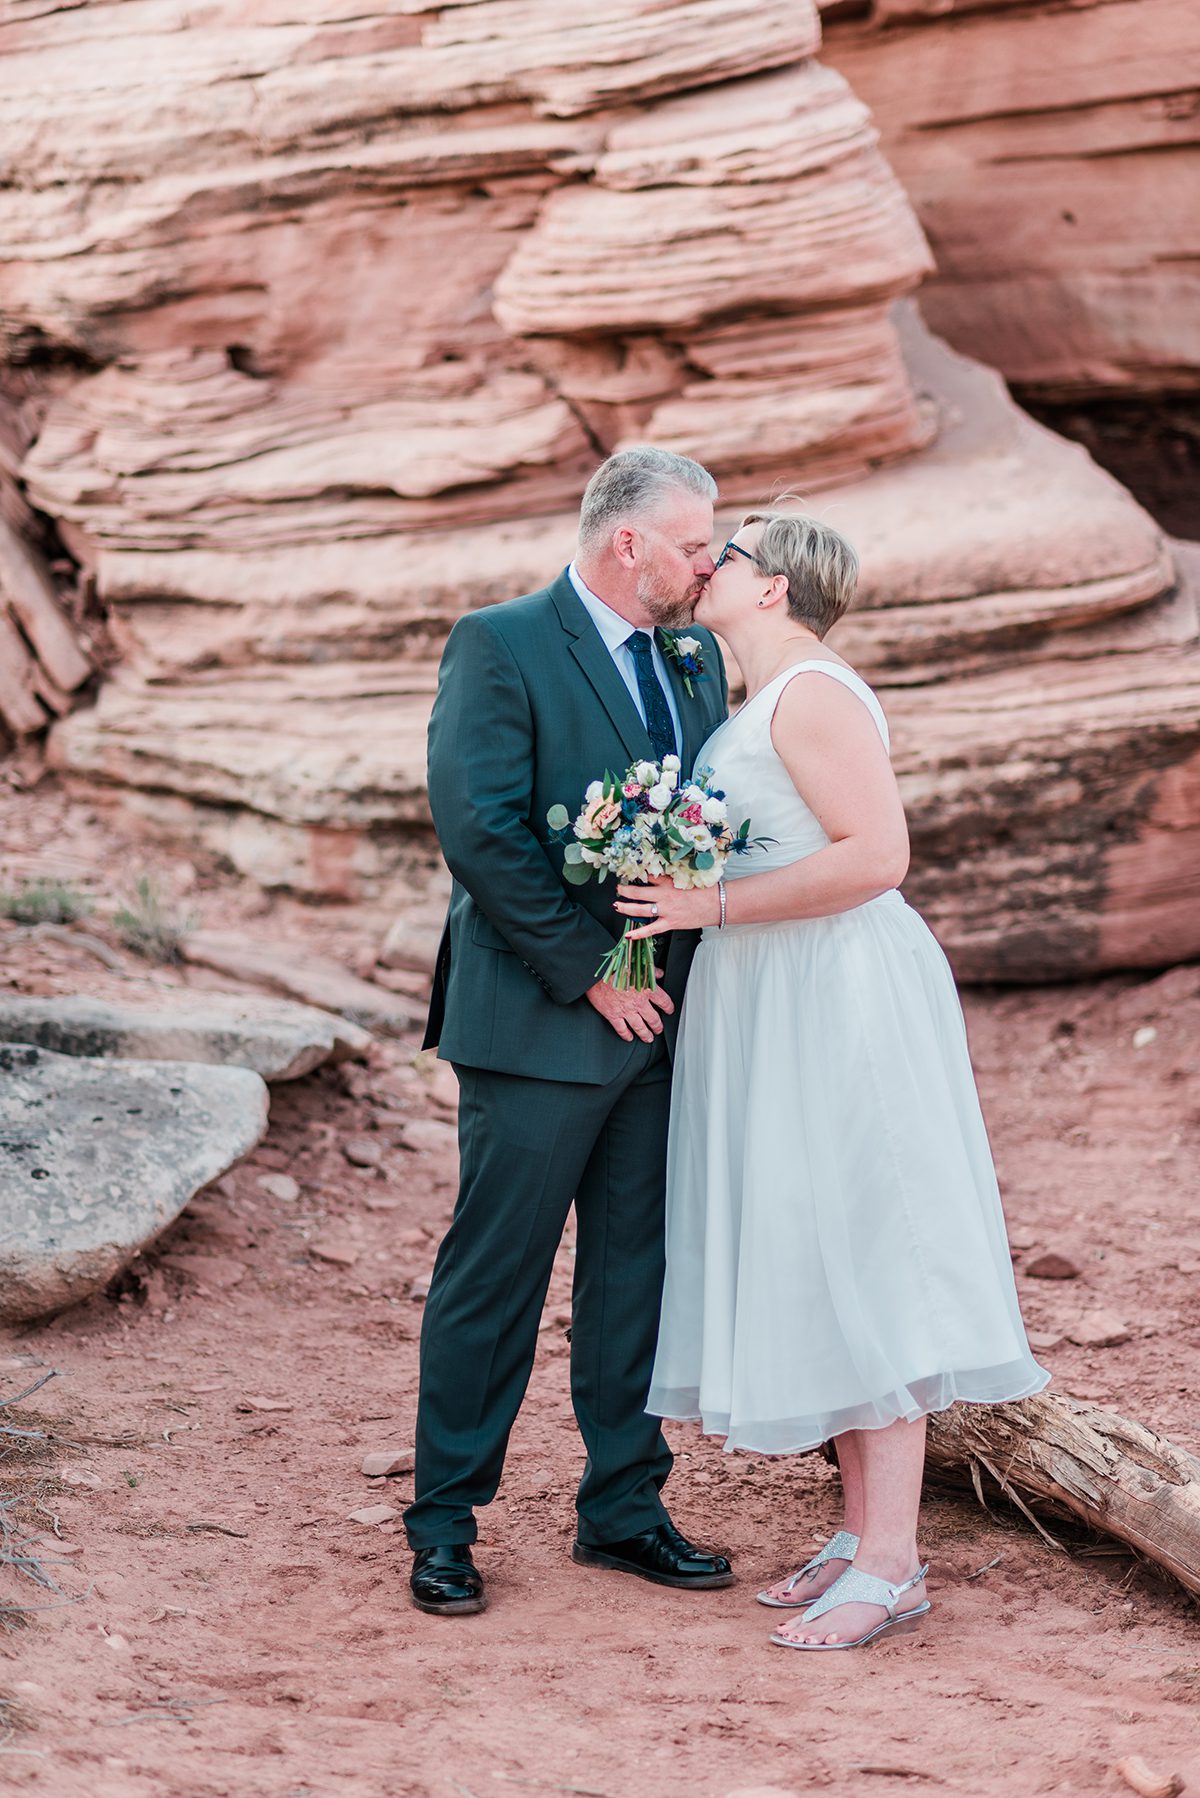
{"x":1099,"y":1329}
{"x":380,"y":1203}
{"x":279,"y":1186}
{"x":1052,"y":1266}
{"x":363,"y":1151}
{"x":430,"y":1136}
{"x":419,"y":1288}
{"x":384,"y":1461}
{"x":1042,"y":1341}
{"x":339,"y":1254}
{"x":373,"y":1514}
{"x":1143,"y":1780}
{"x":263,"y":1404}
{"x":79,"y":1476}
{"x":1021,"y":1239}
{"x":1144,"y":1037}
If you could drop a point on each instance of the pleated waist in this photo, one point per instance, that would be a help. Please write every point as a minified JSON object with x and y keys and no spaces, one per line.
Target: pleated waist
{"x":890,"y":900}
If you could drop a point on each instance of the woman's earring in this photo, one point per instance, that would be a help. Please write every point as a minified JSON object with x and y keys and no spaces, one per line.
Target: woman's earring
{"x":761,"y":604}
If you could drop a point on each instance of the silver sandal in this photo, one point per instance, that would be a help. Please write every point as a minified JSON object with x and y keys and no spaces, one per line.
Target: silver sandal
{"x":855,"y":1587}
{"x":842,"y":1547}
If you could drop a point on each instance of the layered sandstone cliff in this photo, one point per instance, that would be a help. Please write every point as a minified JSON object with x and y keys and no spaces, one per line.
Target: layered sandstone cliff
{"x":1053,"y":156}
{"x":331,"y":321}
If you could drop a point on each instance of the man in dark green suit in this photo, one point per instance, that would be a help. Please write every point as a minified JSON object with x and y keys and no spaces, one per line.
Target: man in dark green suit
{"x":564,"y":1082}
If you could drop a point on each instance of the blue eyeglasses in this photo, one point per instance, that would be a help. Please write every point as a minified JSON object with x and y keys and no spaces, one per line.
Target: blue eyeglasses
{"x":731,"y":549}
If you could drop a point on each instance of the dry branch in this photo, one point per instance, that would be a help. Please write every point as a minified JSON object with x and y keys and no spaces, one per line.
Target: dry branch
{"x":1115,"y":1475}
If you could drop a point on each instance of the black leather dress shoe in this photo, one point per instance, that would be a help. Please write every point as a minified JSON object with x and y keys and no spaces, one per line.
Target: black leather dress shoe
{"x":661,"y":1555}
{"x":446,"y":1582}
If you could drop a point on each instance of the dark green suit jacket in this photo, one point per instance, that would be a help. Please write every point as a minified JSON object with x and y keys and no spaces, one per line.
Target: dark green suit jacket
{"x":530,"y":708}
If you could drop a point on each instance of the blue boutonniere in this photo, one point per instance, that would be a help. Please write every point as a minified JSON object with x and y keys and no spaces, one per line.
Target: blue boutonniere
{"x":685,"y":653}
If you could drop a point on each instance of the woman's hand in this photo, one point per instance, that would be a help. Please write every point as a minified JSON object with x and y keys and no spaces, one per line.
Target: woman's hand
{"x":665,"y":906}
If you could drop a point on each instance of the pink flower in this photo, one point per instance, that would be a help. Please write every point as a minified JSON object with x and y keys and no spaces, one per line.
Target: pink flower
{"x":693,"y":815}
{"x":600,"y":816}
{"x":631,"y":789}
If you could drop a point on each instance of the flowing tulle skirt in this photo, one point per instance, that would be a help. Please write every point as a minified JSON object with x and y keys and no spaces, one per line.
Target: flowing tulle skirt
{"x":836,"y":1250}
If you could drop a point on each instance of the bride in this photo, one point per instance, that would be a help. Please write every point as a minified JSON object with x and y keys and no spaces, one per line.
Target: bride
{"x":837,"y":1265}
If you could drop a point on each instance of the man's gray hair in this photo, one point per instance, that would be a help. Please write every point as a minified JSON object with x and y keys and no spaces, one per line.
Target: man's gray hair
{"x":631,"y":485}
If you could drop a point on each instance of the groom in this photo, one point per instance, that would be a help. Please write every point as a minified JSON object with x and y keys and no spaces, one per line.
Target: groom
{"x":564,"y":1082}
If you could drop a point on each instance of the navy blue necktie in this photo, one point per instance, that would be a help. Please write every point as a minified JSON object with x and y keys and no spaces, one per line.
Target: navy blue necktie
{"x":654,"y":700}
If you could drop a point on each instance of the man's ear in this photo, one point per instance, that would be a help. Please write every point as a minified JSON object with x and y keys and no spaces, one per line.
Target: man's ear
{"x":626,"y":545}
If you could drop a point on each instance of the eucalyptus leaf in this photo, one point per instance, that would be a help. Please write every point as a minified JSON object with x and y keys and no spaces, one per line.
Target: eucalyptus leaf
{"x":573,"y":854}
{"x":704,"y":859}
{"x":558,"y":817}
{"x":578,"y":873}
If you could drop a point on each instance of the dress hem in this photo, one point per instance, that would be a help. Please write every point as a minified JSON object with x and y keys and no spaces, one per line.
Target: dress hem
{"x":735,"y":1442}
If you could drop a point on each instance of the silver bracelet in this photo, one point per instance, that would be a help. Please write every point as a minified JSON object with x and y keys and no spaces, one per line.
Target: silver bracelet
{"x":721,"y":895}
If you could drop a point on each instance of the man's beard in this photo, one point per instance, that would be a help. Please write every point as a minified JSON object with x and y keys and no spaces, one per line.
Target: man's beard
{"x":668,"y":608}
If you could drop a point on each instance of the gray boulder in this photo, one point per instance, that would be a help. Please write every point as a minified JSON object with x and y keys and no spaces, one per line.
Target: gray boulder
{"x":278,"y":1039}
{"x":98,"y":1157}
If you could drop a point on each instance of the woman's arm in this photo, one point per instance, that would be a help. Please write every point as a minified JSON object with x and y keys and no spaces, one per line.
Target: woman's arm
{"x":831,"y":747}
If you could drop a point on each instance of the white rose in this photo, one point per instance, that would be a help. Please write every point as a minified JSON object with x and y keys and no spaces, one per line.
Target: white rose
{"x":660,"y":796}
{"x":713,"y":811}
{"x":688,"y":646}
{"x":670,"y":761}
{"x":670,"y":778}
{"x":645,"y":774}
{"x":594,"y":792}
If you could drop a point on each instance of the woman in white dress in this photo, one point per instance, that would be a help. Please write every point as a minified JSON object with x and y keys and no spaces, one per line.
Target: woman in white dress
{"x":837,"y":1265}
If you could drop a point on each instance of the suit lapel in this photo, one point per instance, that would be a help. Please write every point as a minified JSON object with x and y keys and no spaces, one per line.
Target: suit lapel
{"x":591,"y":653}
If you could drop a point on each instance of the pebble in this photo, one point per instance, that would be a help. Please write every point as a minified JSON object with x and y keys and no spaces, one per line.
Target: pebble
{"x":340,"y":1254}
{"x":1144,"y":1037}
{"x":1099,"y":1329}
{"x":79,"y":1476}
{"x":430,"y":1136}
{"x":363,"y":1151}
{"x":1042,"y":1341}
{"x":374,"y":1514}
{"x":1052,"y":1266}
{"x":280,"y":1186}
{"x":380,"y":1462}
{"x":419,"y":1287}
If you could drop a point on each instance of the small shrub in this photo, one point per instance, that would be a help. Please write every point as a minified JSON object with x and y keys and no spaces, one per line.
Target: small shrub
{"x":150,"y":927}
{"x":45,"y":902}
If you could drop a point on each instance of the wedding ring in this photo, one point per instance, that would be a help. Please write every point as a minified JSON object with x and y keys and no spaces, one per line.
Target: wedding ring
{"x":654,"y":911}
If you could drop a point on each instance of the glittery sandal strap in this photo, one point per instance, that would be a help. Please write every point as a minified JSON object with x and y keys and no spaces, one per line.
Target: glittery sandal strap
{"x":856,"y":1587}
{"x":842,"y":1547}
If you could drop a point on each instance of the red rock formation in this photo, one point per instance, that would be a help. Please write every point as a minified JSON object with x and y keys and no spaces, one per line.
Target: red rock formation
{"x":365,"y":298}
{"x":1051,"y":154}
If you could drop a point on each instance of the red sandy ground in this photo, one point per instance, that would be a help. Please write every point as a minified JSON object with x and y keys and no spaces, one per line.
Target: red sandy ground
{"x":282,"y":1660}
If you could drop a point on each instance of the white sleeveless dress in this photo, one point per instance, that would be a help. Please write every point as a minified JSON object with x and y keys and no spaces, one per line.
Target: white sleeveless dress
{"x":836,"y":1250}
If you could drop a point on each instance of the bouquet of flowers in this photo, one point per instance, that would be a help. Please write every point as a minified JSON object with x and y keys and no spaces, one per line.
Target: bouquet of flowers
{"x":647,"y":825}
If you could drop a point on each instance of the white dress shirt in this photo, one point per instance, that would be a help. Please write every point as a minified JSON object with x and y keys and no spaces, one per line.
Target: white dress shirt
{"x":614,"y":630}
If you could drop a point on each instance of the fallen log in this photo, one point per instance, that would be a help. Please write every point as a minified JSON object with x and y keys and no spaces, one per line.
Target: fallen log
{"x":1070,"y":1458}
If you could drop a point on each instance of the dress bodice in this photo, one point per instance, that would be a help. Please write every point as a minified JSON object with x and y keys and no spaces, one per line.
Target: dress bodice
{"x":747,"y":766}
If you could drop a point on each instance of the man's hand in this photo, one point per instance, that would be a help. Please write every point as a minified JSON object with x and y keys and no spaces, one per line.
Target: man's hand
{"x":631,"y":1013}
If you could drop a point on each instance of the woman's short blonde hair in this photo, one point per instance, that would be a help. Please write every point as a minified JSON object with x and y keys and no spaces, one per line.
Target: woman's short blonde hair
{"x":820,"y":567}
